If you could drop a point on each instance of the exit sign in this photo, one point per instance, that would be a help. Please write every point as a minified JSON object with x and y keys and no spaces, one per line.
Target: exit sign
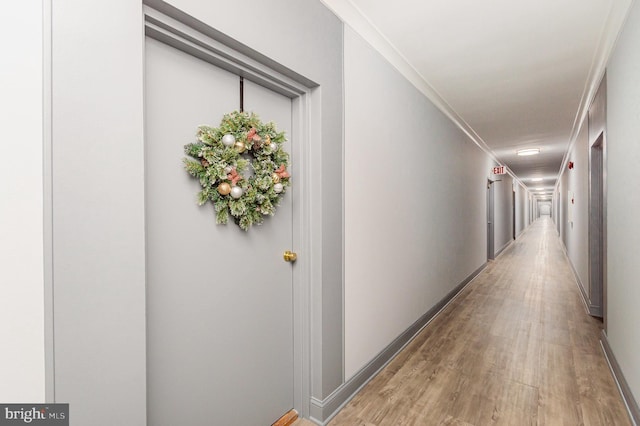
{"x":498,"y":170}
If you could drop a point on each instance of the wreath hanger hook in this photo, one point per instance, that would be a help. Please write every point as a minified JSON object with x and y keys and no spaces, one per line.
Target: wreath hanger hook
{"x":241,"y":94}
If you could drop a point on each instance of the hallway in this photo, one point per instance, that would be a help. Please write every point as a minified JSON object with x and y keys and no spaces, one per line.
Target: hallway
{"x":515,"y":347}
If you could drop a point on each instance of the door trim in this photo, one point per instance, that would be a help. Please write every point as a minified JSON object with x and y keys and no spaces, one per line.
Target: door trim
{"x":490,"y":222}
{"x":513,"y":212}
{"x":186,"y":34}
{"x":597,"y":227}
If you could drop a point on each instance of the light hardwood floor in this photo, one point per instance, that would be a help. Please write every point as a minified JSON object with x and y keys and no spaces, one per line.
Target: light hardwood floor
{"x":516,"y":347}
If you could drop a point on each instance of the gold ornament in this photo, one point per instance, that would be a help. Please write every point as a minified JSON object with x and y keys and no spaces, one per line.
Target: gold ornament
{"x":235,"y":146}
{"x":224,"y":188}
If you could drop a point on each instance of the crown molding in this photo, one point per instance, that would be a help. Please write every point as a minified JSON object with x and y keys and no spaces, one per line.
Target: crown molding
{"x":352,"y":16}
{"x":606,"y":44}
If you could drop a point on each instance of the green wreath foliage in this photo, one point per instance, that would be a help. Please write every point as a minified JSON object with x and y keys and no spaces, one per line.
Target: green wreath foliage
{"x":256,"y":163}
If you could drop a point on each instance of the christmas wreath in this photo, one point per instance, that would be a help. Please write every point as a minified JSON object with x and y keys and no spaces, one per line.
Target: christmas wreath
{"x":241,"y":167}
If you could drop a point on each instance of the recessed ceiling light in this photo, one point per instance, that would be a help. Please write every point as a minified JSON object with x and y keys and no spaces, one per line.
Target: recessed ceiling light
{"x":530,"y":151}
{"x":539,"y":189}
{"x":536,"y":179}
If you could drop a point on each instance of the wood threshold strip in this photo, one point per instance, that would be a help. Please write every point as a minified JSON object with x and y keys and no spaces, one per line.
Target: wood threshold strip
{"x":287,"y":420}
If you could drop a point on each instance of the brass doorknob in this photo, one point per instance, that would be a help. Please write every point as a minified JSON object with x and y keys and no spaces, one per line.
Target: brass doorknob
{"x":290,"y":256}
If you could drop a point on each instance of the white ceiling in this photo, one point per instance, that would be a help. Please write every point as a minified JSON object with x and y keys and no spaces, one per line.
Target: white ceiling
{"x":512,"y":74}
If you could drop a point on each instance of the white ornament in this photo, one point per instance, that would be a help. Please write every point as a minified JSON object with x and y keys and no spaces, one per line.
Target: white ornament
{"x":236,"y":192}
{"x":228,"y":169}
{"x":228,"y":140}
{"x":277,"y":188}
{"x":273,"y":146}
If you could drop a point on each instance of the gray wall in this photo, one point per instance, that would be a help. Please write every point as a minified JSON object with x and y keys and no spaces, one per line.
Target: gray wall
{"x":555,"y":213}
{"x":522,"y":204}
{"x":597,"y":118}
{"x":623,"y":239}
{"x":503,"y":219}
{"x":415,"y":213}
{"x":562,"y":214}
{"x":545,"y":208}
{"x":98,"y":205}
{"x":98,"y":190}
{"x":576,"y":235}
{"x":22,"y":357}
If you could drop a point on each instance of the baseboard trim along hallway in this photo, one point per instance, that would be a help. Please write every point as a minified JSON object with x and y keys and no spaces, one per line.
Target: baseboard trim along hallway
{"x":503,"y":248}
{"x":591,"y":310}
{"x":514,"y":347}
{"x":623,"y":386}
{"x":322,"y":411}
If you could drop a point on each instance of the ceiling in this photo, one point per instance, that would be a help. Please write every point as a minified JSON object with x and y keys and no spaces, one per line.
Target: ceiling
{"x":511,"y":74}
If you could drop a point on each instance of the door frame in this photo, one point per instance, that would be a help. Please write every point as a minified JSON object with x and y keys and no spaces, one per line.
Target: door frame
{"x":188,"y":35}
{"x":598,"y":227}
{"x":513,"y":212}
{"x":490,"y":221}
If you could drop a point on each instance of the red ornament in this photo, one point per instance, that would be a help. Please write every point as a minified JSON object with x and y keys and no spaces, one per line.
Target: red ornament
{"x":253,"y":135}
{"x":570,"y":164}
{"x":281,"y":172}
{"x":234,"y":176}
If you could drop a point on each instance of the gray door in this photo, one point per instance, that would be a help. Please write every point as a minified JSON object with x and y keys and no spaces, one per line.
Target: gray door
{"x":219,"y":300}
{"x":490,"y":232}
{"x":513,"y":211}
{"x":596,"y":227}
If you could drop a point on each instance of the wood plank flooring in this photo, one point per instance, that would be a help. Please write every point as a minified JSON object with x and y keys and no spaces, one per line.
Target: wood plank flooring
{"x":516,"y":347}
